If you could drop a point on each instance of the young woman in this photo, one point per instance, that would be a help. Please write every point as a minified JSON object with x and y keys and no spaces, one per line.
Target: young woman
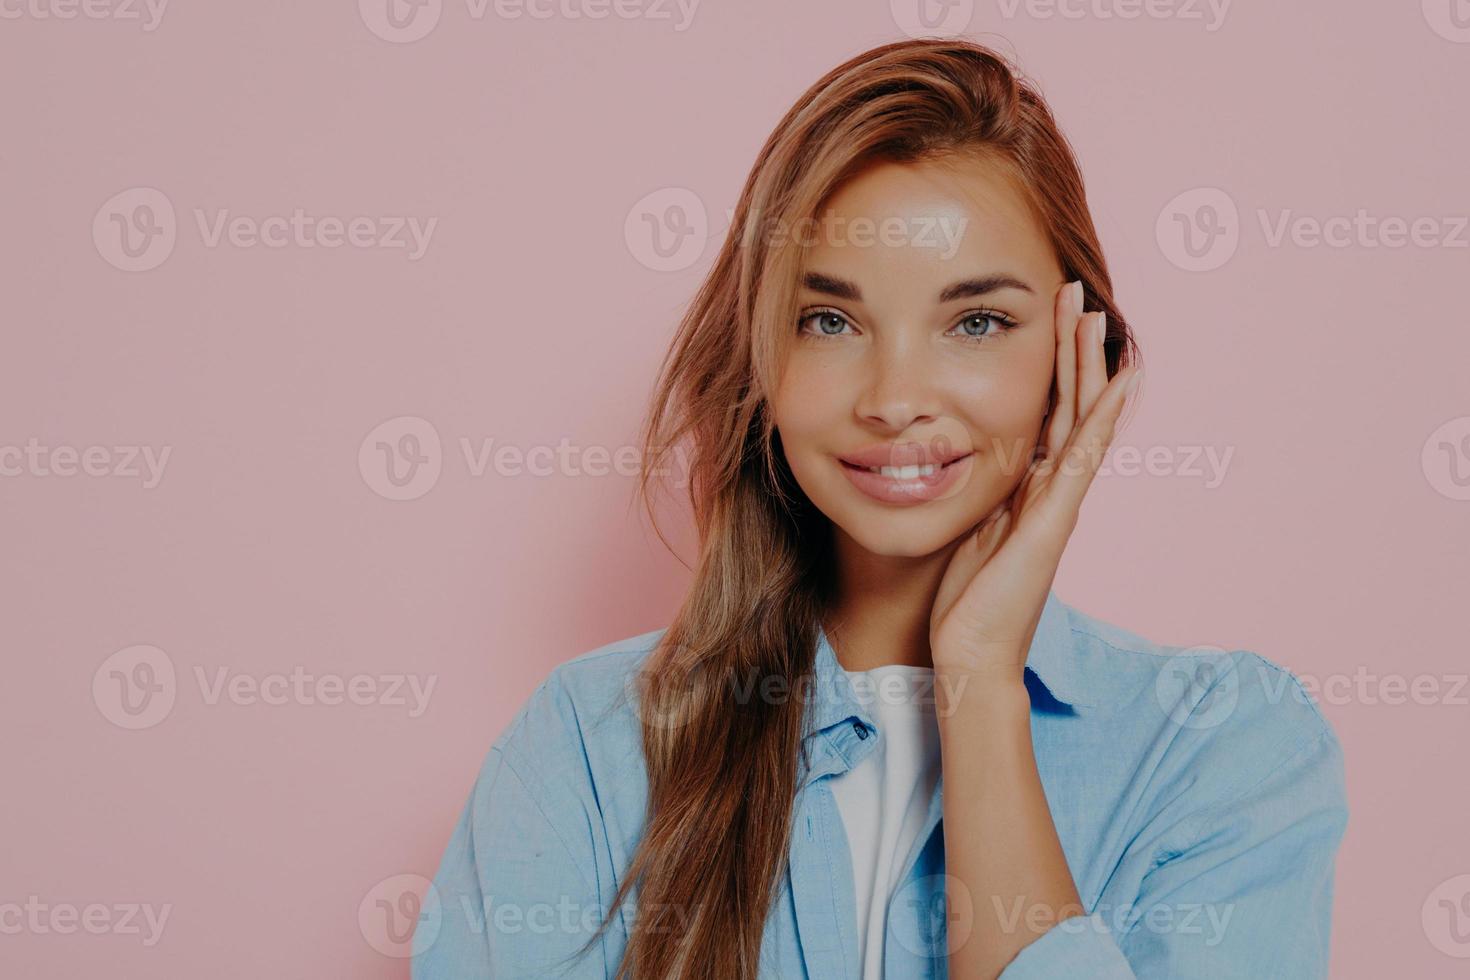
{"x":873,"y":742}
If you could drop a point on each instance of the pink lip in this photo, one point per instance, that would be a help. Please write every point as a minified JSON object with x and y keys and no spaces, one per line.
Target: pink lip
{"x":915,"y":491}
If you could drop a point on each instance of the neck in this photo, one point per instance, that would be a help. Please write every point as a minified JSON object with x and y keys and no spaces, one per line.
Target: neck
{"x":882,"y":604}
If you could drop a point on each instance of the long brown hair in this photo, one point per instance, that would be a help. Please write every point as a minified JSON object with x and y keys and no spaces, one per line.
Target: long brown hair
{"x":723,"y":771}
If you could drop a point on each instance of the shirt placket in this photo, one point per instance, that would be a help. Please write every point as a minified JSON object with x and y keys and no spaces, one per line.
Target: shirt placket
{"x":825,"y":925}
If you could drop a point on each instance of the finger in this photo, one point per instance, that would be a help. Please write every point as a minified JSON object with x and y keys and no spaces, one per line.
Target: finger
{"x":1064,"y":398}
{"x":1084,"y":454}
{"x":1093,"y":366}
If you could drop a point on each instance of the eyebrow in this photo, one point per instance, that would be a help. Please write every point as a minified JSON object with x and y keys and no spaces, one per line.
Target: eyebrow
{"x":978,"y":286}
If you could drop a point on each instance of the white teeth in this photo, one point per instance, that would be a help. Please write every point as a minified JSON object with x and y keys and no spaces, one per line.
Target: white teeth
{"x":905,"y":472}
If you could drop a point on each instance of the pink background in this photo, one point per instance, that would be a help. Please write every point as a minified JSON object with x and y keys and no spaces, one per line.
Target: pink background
{"x":1336,"y":543}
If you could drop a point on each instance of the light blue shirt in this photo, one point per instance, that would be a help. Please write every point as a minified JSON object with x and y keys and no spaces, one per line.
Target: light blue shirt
{"x":1198,"y":795}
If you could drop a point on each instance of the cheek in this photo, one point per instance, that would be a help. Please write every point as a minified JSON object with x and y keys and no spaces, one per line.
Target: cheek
{"x":809,"y":400}
{"x":1010,"y":400}
{"x":802,"y":414}
{"x":1005,"y":411}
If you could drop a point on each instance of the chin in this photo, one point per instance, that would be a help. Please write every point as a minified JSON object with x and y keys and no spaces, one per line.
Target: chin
{"x":904,"y":535}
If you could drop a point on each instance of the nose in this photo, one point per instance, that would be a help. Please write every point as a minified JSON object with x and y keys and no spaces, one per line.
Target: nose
{"x":899,"y":389}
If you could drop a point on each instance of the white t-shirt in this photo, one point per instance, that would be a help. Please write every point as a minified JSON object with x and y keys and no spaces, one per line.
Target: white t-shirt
{"x":884,"y":799}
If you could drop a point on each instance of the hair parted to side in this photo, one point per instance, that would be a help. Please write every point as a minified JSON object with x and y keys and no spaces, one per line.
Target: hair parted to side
{"x":723,"y":770}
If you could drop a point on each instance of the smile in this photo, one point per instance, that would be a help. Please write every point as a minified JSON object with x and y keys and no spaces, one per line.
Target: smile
{"x":905,"y":472}
{"x":914,"y":484}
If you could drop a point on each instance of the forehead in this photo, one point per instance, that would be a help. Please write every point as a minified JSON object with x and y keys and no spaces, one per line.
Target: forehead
{"x":901,"y":228}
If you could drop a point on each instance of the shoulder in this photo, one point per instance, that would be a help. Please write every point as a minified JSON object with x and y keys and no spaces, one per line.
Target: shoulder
{"x":1199,"y":686}
{"x":1223,"y":720}
{"x":570,"y":756}
{"x":584,"y":697}
{"x":587,"y":676}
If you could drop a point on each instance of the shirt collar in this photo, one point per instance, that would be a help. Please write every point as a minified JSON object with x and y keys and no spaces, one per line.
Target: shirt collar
{"x":1054,"y":659}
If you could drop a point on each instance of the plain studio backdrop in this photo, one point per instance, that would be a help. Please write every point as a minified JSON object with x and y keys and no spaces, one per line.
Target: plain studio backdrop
{"x":327,"y":328}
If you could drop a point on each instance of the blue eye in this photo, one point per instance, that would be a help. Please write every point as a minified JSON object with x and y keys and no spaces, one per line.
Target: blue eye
{"x":999,"y":322}
{"x":825,"y":318}
{"x":831,"y":324}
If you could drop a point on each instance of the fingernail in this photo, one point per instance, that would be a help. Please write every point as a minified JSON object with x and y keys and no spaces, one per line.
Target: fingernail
{"x":1133,"y":383}
{"x":1101,"y":330}
{"x":1077,"y":295}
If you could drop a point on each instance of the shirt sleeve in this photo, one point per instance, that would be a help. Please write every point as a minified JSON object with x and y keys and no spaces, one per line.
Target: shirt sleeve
{"x":516,"y":892}
{"x":1243,"y":891}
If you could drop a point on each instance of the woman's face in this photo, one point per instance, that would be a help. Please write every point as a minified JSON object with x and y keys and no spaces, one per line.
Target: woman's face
{"x":927,"y":332}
